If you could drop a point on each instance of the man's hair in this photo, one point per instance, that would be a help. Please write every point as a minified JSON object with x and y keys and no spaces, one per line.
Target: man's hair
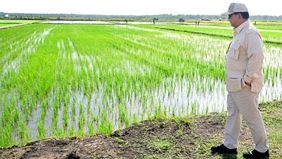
{"x":245,"y":15}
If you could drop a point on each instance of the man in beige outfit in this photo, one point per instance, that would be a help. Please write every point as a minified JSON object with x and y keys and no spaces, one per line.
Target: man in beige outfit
{"x":244,"y":81}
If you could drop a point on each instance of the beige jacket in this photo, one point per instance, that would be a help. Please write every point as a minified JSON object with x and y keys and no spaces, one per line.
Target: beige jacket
{"x":244,"y":59}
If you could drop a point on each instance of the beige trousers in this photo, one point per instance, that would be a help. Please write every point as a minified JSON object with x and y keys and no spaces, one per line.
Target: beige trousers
{"x":244,"y":102}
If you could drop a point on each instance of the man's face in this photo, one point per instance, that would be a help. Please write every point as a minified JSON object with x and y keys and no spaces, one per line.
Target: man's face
{"x":234,"y":19}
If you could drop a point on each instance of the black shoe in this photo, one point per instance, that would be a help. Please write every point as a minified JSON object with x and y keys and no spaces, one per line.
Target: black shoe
{"x":256,"y":155}
{"x":223,"y":150}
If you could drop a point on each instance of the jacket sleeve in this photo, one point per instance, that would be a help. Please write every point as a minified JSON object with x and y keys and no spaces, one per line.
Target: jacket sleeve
{"x":255,"y":56}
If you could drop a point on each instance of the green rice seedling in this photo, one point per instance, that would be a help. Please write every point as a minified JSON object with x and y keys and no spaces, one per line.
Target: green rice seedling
{"x":123,"y":114}
{"x":41,"y":129}
{"x":81,"y":120}
{"x":104,"y":125}
{"x":23,"y":132}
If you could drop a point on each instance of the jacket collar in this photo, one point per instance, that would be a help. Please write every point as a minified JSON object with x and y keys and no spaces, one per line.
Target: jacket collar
{"x":241,"y":27}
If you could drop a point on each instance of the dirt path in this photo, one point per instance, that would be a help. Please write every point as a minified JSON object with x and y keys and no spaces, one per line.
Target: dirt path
{"x":159,"y":138}
{"x":13,"y":26}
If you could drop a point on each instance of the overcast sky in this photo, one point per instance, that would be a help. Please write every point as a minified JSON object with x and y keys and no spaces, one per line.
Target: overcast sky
{"x":138,"y":7}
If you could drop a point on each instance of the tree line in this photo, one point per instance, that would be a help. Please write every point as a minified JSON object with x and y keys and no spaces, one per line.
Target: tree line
{"x":127,"y":18}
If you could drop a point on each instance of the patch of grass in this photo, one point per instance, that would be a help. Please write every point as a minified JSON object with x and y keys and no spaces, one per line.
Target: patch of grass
{"x":161,"y":144}
{"x":154,"y":156}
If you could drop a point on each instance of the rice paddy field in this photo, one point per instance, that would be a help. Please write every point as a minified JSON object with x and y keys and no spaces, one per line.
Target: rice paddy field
{"x":62,"y":80}
{"x":269,"y":35}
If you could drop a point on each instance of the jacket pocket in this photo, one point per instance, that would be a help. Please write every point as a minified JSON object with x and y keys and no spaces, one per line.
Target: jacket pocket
{"x":233,"y":84}
{"x":256,"y":86}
